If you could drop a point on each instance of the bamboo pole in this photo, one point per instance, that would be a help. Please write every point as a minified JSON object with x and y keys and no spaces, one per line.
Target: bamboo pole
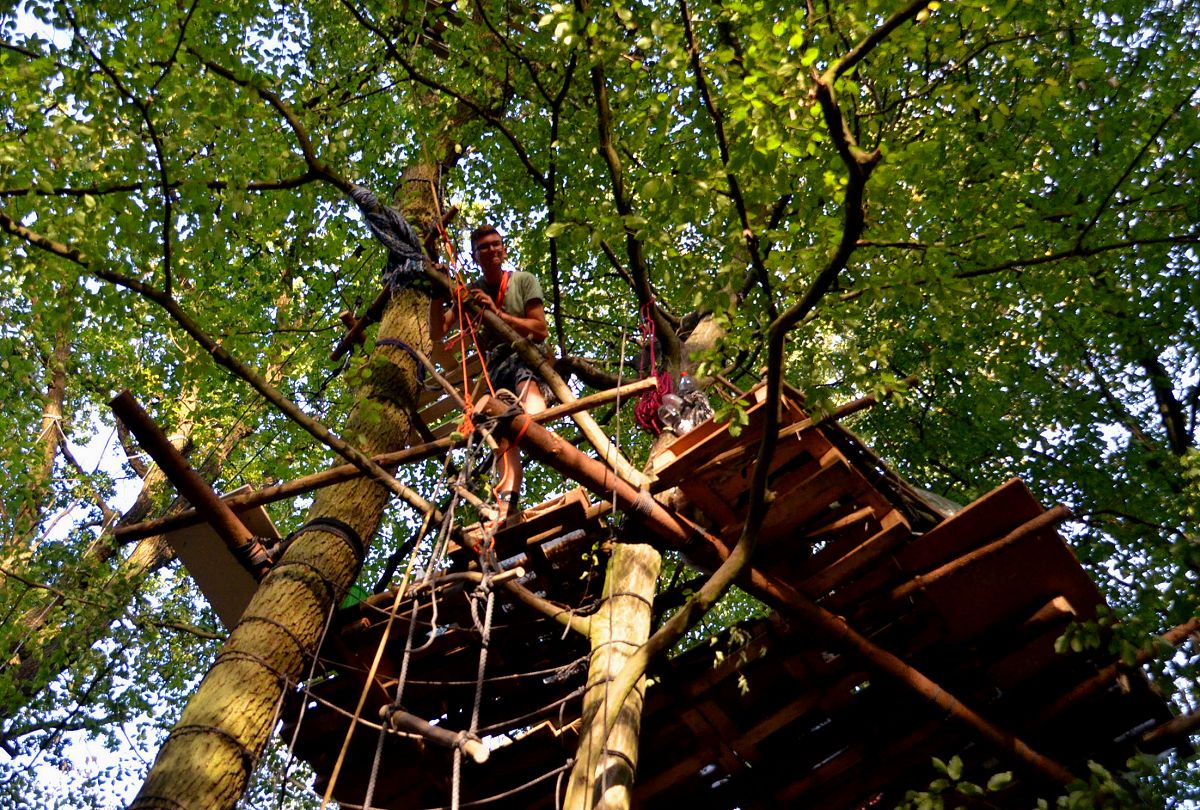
{"x":400,"y":720}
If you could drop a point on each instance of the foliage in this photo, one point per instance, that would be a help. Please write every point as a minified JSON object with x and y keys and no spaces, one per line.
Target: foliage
{"x":1027,"y":249}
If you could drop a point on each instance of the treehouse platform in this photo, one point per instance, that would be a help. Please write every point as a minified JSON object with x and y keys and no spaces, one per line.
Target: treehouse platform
{"x":775,"y":711}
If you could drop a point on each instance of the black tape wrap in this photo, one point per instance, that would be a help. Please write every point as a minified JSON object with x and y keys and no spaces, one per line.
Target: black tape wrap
{"x":337,"y":528}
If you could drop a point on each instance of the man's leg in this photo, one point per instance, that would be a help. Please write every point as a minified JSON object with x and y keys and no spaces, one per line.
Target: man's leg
{"x":508,"y":491}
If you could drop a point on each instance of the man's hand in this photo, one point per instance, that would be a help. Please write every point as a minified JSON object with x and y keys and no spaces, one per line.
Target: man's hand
{"x":484,"y":301}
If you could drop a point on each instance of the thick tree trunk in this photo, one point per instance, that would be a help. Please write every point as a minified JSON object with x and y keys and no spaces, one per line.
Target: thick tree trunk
{"x":209,"y":755}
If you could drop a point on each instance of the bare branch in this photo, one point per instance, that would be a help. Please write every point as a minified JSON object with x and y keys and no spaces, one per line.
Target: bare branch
{"x":735,"y":191}
{"x":1183,"y":102}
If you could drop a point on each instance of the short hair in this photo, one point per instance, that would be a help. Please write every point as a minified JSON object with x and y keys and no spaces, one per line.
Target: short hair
{"x":480,"y":232}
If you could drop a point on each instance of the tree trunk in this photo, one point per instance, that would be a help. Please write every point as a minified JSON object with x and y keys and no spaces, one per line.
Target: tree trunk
{"x":208,"y":758}
{"x":620,"y":626}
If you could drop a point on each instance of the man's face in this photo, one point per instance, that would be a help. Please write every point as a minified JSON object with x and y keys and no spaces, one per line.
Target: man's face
{"x":489,"y":252}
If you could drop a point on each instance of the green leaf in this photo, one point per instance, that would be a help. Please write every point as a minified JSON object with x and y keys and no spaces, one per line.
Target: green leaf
{"x":1000,"y":781}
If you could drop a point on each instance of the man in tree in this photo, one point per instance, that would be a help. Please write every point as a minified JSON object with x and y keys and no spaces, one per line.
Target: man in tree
{"x":515,"y":297}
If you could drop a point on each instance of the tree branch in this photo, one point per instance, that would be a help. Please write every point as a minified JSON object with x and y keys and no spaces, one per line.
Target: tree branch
{"x":633,"y":245}
{"x":749,"y":237}
{"x":1183,"y":102}
{"x":223,"y":358}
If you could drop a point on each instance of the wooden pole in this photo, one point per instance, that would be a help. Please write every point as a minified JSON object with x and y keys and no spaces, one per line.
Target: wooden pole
{"x":1043,"y":521}
{"x":1102,"y":679}
{"x":240,"y":540}
{"x":290,"y":489}
{"x":347,"y":472}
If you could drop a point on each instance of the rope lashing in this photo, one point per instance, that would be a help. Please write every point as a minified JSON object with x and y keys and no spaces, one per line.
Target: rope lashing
{"x":643,"y":505}
{"x":405,"y":267}
{"x":247,"y":756}
{"x":338,"y":528}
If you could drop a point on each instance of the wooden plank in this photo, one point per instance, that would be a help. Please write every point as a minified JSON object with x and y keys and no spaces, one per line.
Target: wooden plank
{"x":709,"y":722}
{"x":874,"y":579}
{"x":1032,"y":658}
{"x":894,"y":531}
{"x":221,"y":577}
{"x":797,"y":458}
{"x":714,"y":507}
{"x":453,"y":373}
{"x":745,"y":454}
{"x":865,"y":768}
{"x":993,"y":515}
{"x":778,"y":720}
{"x":711,"y":438}
{"x":799,"y":498}
{"x":1029,"y":572}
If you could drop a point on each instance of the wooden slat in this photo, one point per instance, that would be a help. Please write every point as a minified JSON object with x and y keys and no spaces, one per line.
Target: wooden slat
{"x":894,"y":531}
{"x":800,"y":498}
{"x":713,"y":505}
{"x":710,"y":439}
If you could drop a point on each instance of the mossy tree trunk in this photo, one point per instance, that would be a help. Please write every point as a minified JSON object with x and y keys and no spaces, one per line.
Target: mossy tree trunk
{"x":207,"y":760}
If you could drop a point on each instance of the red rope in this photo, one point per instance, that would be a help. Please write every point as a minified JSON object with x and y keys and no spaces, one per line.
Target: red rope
{"x":646,"y":412}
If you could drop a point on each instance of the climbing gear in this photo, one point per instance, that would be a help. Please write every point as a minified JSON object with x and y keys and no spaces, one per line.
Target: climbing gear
{"x":646,"y":414}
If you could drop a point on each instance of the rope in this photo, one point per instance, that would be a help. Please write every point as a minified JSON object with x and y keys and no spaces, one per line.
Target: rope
{"x":312,"y":671}
{"x":283,"y":628}
{"x":646,"y":412}
{"x":337,"y":528}
{"x":643,"y":505}
{"x":370,"y":678}
{"x":246,"y":754}
{"x":436,"y":554}
{"x":485,"y":589}
{"x":396,"y":703}
{"x":400,"y":344}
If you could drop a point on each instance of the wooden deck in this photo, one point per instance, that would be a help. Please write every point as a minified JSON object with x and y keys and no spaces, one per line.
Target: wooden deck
{"x":974,"y":601}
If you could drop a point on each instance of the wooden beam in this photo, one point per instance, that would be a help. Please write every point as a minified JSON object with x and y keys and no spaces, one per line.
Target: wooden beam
{"x":290,"y":489}
{"x":680,"y":533}
{"x":240,"y":540}
{"x":1173,"y":733}
{"x":347,"y":472}
{"x":1101,"y":680}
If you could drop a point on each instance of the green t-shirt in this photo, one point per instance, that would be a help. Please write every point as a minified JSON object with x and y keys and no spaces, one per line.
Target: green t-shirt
{"x":523,"y":288}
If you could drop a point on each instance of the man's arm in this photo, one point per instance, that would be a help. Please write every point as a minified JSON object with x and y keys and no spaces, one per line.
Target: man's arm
{"x":440,"y":319}
{"x":533,"y":325}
